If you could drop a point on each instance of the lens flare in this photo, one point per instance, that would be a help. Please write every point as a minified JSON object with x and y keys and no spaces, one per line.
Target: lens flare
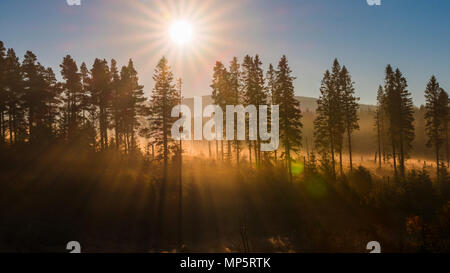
{"x":297,"y":167}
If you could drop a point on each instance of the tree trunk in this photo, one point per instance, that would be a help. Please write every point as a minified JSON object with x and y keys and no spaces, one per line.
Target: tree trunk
{"x":379,"y":143}
{"x":437,"y":162}
{"x":395,"y":159}
{"x":333,"y":163}
{"x":349,"y":136}
{"x":402,"y":159}
{"x":159,"y":220}
{"x":180,"y":198}
{"x":289,"y":163}
{"x":446,"y":145}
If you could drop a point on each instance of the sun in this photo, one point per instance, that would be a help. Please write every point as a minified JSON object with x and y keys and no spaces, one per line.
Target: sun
{"x":191,"y":34}
{"x":181,"y":32}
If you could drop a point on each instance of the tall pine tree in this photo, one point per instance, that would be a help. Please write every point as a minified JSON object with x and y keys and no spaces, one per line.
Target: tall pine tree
{"x":290,"y":113}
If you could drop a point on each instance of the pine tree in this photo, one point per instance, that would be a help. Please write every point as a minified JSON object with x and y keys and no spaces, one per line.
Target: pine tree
{"x":39,"y":98}
{"x":134,"y":104}
{"x":350,"y":108}
{"x":290,"y":113}
{"x":164,"y":98}
{"x":399,"y":109}
{"x":101,"y":97}
{"x":221,"y":92}
{"x":444,"y":103}
{"x":234,"y":84}
{"x":323,"y":124}
{"x":379,"y":122}
{"x":88,"y":109}
{"x":53,"y":102}
{"x":259,"y":97}
{"x":73,"y":99}
{"x":116,"y":103}
{"x":271,"y":91}
{"x":248,"y":86}
{"x":3,"y":102}
{"x":407,"y":119}
{"x":392,"y":100}
{"x":254,"y":93}
{"x":337,"y":116}
{"x":329,"y":123}
{"x":13,"y":85}
{"x":434,"y":119}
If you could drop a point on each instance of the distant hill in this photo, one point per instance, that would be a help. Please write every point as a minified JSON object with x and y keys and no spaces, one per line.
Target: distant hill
{"x":306,"y":103}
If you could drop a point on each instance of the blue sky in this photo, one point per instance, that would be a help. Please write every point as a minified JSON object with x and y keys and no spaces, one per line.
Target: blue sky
{"x":411,"y":34}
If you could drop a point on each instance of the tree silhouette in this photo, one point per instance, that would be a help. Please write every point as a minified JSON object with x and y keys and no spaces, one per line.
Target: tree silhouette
{"x":379,"y":123}
{"x":3,"y":102}
{"x":445,"y":115}
{"x":164,"y":98}
{"x":73,"y":96}
{"x":337,"y":116}
{"x":336,"y":110}
{"x":235,"y":86}
{"x":399,"y":110}
{"x":254,"y":94}
{"x":14,"y":98}
{"x":221,"y":94}
{"x":40,"y":98}
{"x":101,"y":96}
{"x":350,"y":108}
{"x":271,"y":89}
{"x":132,"y":94}
{"x":434,"y":118}
{"x":290,"y":113}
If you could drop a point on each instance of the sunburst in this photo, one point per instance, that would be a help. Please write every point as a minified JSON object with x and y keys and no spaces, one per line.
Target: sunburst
{"x":189,"y":33}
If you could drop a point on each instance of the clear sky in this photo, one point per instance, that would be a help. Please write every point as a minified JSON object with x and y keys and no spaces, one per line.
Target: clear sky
{"x":411,"y":34}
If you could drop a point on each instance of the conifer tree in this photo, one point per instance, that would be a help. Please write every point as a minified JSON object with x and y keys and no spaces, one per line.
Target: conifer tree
{"x":337,"y":114}
{"x":101,"y":97}
{"x":73,"y":96}
{"x":221,"y":92}
{"x":271,"y":91}
{"x":434,"y":119}
{"x":331,"y":116}
{"x":399,"y":109}
{"x":445,"y":115}
{"x":135,"y":107}
{"x":254,"y":93}
{"x":13,"y":86}
{"x":350,"y":108}
{"x":116,"y":103}
{"x":290,"y":113}
{"x":164,"y":98}
{"x":234,"y":83}
{"x":2,"y":94}
{"x":325,"y":140}
{"x":379,"y":122}
{"x":248,"y":86}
